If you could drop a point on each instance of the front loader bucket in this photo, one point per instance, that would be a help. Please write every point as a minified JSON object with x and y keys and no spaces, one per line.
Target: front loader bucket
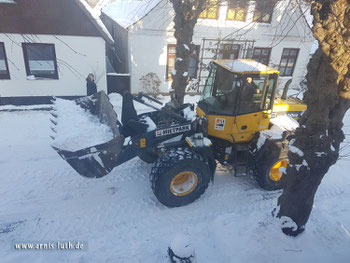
{"x":94,"y":161}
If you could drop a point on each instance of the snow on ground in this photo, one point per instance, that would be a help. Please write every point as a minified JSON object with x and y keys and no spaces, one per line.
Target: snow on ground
{"x":44,"y":199}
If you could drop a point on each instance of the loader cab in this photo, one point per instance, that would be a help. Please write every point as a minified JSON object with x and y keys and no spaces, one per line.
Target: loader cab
{"x":237,"y":98}
{"x":226,"y":91}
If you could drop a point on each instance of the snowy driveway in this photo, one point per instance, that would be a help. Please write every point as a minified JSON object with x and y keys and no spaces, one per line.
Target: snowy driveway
{"x":43,"y":199}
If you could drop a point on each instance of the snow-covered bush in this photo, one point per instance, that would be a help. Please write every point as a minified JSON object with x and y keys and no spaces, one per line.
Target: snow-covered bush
{"x":193,"y":86}
{"x":150,"y":84}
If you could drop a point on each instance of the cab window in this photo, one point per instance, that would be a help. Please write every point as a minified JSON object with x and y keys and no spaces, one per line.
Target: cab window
{"x":209,"y":84}
{"x":270,"y":90}
{"x":253,"y":89}
{"x":220,"y":94}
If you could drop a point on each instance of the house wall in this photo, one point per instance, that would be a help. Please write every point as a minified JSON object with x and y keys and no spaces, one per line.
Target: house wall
{"x":76,"y":58}
{"x":149,"y":37}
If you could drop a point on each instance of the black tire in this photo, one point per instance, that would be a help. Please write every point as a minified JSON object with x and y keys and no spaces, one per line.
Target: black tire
{"x":272,"y":153}
{"x":172,"y":164}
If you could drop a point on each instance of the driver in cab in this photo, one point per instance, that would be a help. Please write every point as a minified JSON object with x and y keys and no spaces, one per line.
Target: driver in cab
{"x":249,"y":89}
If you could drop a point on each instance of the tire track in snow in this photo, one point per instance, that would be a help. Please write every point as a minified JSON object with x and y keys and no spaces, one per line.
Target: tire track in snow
{"x":163,"y":217}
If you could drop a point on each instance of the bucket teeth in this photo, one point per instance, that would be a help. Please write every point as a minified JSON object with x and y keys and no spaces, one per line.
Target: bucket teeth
{"x":52,"y":137}
{"x":54,"y":114}
{"x":53,"y":121}
{"x":53,"y":129}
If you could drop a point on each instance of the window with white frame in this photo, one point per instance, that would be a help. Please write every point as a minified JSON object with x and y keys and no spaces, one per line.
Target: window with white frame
{"x":288,"y":60}
{"x":40,"y":60}
{"x":262,"y":55}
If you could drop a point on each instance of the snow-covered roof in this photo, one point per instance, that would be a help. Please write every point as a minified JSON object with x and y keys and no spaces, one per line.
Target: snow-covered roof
{"x":95,"y":17}
{"x":245,"y":66}
{"x":128,"y":12}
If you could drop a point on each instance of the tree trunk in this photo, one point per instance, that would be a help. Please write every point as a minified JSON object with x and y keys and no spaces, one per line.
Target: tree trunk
{"x":327,"y":99}
{"x":186,"y":15}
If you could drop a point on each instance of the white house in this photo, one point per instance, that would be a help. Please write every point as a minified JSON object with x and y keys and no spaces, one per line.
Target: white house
{"x":47,"y":48}
{"x":273,"y":32}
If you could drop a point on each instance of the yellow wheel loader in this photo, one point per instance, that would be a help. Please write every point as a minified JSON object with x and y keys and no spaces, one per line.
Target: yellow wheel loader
{"x":237,"y":106}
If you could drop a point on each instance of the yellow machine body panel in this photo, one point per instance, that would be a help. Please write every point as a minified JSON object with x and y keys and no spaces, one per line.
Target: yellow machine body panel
{"x":290,"y":106}
{"x":236,"y":128}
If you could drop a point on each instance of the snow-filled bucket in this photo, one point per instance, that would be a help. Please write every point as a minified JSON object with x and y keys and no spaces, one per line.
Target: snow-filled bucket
{"x":86,"y":134}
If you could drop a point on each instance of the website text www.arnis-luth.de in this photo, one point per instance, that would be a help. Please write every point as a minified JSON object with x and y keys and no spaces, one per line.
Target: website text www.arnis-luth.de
{"x":57,"y":246}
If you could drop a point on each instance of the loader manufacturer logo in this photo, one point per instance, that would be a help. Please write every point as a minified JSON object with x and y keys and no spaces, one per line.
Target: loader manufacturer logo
{"x":174,"y":130}
{"x":219,"y":124}
{"x":292,"y":114}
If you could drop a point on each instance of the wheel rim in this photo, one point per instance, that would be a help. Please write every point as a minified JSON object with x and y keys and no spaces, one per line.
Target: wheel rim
{"x":183,"y":183}
{"x":276,"y":171}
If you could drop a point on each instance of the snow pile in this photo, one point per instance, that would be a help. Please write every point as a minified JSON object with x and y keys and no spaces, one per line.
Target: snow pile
{"x":261,"y":141}
{"x":303,"y":163}
{"x":283,"y":123}
{"x":207,"y":141}
{"x":181,"y":248}
{"x":332,"y":148}
{"x":296,"y":150}
{"x":189,"y":114}
{"x":300,"y":153}
{"x":31,"y":77}
{"x":287,"y":222}
{"x":151,"y":125}
{"x":197,"y":140}
{"x":77,"y":128}
{"x":283,"y":170}
{"x":280,"y":124}
{"x":116,"y":100}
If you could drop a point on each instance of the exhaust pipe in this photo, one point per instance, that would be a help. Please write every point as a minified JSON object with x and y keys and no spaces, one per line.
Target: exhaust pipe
{"x":285,"y":90}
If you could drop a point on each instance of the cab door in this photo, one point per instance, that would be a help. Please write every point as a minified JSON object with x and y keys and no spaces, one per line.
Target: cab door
{"x":248,"y":124}
{"x":254,"y":115}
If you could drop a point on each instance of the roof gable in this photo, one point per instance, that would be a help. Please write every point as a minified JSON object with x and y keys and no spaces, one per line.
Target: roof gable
{"x":94,"y":15}
{"x":63,"y":17}
{"x":128,"y":12}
